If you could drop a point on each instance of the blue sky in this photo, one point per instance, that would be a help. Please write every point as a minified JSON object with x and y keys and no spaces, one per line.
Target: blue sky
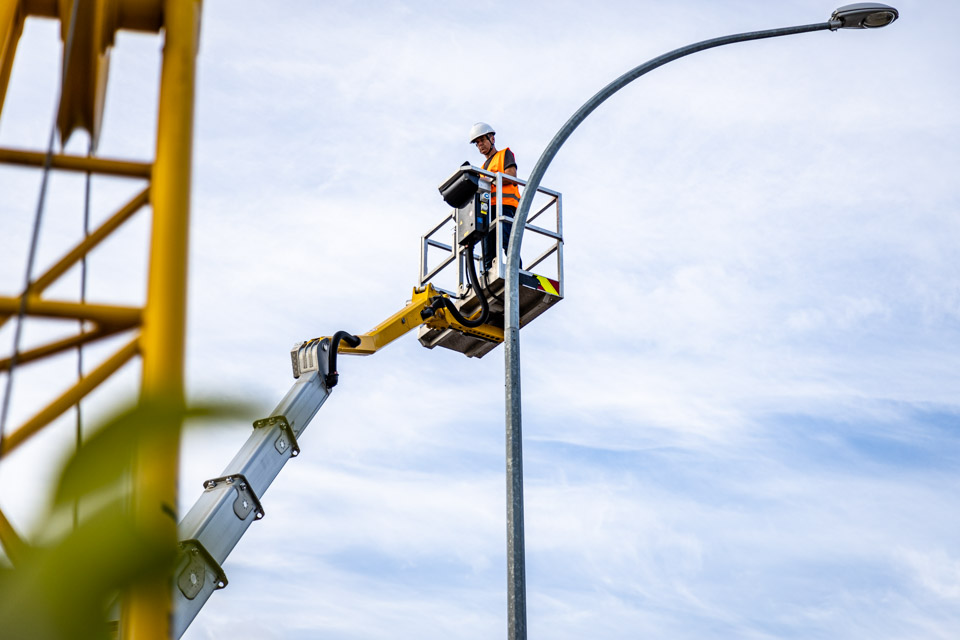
{"x":742,"y":421}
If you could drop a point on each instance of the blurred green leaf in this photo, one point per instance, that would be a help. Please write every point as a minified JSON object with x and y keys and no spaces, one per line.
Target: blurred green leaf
{"x":107,"y":455}
{"x":63,"y":590}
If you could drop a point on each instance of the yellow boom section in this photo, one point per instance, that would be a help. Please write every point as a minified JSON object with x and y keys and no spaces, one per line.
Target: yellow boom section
{"x":409,"y":318}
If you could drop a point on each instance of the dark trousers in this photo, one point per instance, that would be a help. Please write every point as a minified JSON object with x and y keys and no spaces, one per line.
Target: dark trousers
{"x":488,"y":245}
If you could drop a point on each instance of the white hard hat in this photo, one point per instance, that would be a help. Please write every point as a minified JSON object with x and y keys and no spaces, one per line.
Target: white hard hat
{"x":480,"y":129}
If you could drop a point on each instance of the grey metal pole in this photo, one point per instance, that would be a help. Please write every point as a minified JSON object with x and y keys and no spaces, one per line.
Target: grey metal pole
{"x":516,"y":563}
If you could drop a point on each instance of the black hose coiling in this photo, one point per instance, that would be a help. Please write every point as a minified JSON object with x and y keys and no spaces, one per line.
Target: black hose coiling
{"x":475,"y":283}
{"x":332,"y":376}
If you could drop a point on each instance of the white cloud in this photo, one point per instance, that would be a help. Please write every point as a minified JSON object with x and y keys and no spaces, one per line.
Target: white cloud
{"x":739,"y":423}
{"x":936,"y":571}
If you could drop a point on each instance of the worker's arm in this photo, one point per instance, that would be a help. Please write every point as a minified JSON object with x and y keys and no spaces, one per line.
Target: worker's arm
{"x":511,"y":164}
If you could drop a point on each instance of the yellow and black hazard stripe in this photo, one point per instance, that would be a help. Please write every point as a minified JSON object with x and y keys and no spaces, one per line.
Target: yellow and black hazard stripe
{"x":540,"y":283}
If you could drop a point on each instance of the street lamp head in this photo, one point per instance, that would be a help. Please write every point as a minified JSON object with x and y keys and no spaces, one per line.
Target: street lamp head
{"x":863,"y":15}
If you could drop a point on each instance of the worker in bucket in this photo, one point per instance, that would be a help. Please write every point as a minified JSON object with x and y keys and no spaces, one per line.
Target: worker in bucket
{"x":497,"y":161}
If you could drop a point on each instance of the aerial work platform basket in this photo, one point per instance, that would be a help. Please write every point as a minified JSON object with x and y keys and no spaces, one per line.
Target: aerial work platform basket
{"x":456,"y":305}
{"x":444,"y":265}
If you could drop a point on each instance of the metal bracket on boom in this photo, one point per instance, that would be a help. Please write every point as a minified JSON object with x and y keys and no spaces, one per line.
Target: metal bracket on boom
{"x":287,"y":439}
{"x":246,"y":501}
{"x":191,"y":579}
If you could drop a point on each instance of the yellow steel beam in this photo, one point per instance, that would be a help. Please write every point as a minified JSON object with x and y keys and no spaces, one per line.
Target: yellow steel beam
{"x":102,"y":314}
{"x":60,"y":346}
{"x":41,"y":8}
{"x":147,"y":607}
{"x":139,"y":15}
{"x":92,"y":240}
{"x":69,"y":398}
{"x":85,"y":80}
{"x":86,"y":61}
{"x":12,"y":543}
{"x":136,"y":15}
{"x":11,"y":26}
{"x":85,"y":164}
{"x":83,"y":248}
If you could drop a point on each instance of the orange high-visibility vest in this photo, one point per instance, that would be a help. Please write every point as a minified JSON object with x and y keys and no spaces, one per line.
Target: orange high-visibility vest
{"x":511,"y":194}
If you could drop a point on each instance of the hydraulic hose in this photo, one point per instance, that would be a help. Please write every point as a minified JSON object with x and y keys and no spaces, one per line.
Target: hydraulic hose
{"x":443,"y":301}
{"x":332,"y":376}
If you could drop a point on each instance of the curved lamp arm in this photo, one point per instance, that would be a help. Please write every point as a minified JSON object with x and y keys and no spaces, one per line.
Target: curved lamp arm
{"x":862,"y":15}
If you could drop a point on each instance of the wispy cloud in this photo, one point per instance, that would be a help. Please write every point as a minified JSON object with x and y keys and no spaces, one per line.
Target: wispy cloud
{"x":741,"y":422}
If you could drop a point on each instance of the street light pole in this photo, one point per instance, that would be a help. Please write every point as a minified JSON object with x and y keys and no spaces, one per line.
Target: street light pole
{"x":862,"y":15}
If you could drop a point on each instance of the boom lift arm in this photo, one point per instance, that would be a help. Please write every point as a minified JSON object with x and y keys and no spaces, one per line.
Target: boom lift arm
{"x":231,"y":502}
{"x":426,"y":307}
{"x":422,"y":309}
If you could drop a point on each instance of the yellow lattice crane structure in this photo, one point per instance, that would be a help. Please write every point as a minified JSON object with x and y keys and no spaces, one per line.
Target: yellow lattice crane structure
{"x":157,"y":330}
{"x":467,"y":319}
